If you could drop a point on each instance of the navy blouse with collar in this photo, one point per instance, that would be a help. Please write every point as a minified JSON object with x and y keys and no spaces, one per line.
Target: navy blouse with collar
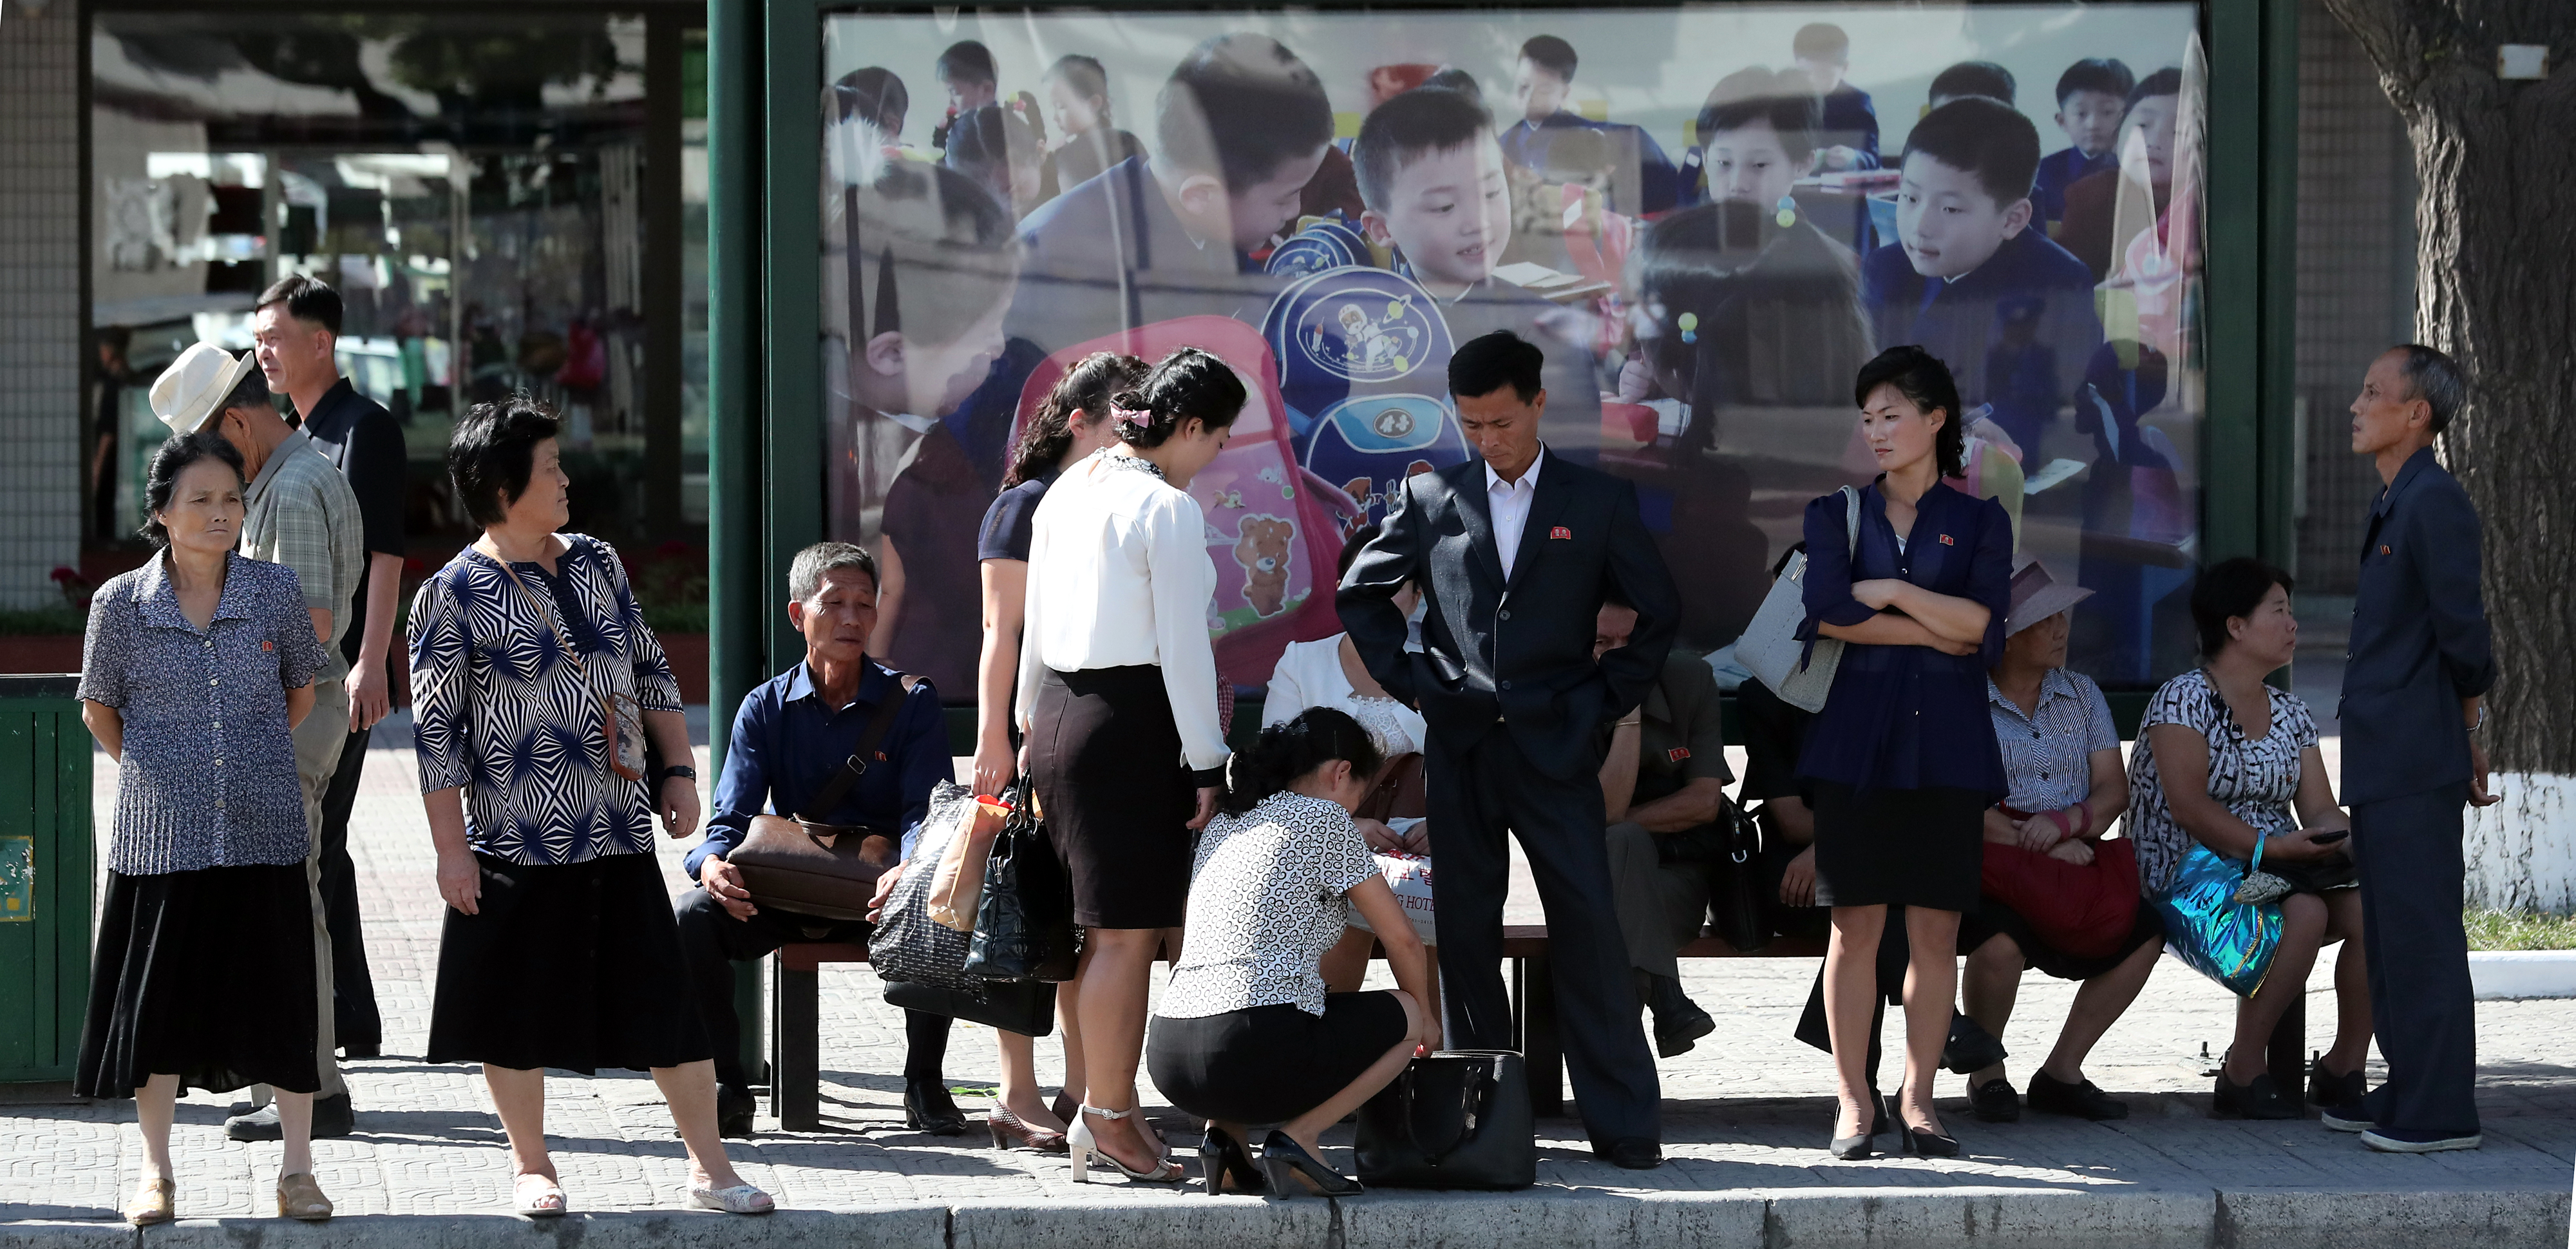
{"x":1908,"y":717}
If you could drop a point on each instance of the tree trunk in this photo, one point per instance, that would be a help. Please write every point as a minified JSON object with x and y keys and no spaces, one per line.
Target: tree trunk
{"x":2496,"y":288}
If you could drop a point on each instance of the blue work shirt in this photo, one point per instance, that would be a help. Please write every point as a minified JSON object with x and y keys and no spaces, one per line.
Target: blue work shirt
{"x":786,"y":744}
{"x":1908,"y":717}
{"x":2016,"y":331}
{"x":2058,"y":171}
{"x":2420,"y":641}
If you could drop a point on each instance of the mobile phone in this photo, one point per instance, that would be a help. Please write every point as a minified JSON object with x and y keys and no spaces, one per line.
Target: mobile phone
{"x":2330,"y":838}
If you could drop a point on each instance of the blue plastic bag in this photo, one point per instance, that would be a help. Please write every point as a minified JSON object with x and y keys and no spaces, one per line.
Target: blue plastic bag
{"x":2228,"y":941}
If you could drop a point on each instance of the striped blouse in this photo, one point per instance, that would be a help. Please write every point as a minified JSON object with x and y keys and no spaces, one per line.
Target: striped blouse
{"x":501,"y":711}
{"x":2048,"y":756}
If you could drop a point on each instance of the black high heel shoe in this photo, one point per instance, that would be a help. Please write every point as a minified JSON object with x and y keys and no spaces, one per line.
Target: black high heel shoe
{"x":1922,"y":1142}
{"x":1225,"y":1167}
{"x":1855,"y":1148}
{"x":1285,"y":1160}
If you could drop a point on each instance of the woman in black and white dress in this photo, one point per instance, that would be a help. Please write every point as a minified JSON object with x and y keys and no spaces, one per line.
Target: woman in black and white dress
{"x":1118,"y":706}
{"x":1248,"y":1032}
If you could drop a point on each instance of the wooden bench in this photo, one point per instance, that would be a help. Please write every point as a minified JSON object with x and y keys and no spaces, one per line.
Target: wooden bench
{"x":796,"y":1024}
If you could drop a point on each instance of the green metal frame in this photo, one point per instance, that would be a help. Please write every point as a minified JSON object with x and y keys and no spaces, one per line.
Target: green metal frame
{"x":766,"y":483}
{"x":45,"y":945}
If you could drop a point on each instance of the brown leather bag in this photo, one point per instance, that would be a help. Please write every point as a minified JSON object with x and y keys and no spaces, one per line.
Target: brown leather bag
{"x":791,"y":863}
{"x":1397,"y":792}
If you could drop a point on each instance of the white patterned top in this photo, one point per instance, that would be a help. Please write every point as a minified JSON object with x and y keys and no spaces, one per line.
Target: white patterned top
{"x":2254,"y":779}
{"x":1265,"y":904}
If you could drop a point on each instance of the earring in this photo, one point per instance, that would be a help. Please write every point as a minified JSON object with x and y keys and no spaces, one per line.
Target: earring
{"x":1788,"y":211}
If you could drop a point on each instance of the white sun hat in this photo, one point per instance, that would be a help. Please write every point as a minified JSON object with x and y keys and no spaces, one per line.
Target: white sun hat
{"x":187,"y":393}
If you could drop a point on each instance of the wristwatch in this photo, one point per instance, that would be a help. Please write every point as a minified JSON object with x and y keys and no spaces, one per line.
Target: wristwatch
{"x":681,"y":769}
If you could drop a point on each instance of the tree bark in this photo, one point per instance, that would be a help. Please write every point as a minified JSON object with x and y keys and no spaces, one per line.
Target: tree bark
{"x":2496,"y":288}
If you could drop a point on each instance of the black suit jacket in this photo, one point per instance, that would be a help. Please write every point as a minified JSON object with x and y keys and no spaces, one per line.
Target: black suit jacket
{"x":2419,"y":639}
{"x":1517,"y":651}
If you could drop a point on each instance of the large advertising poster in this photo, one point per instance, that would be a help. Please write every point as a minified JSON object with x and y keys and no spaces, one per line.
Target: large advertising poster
{"x":1707,"y":216}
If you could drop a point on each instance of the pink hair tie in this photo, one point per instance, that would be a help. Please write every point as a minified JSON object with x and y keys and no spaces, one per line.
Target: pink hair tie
{"x":1131,"y":420}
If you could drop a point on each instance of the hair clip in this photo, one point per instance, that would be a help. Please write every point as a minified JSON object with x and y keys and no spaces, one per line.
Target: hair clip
{"x":1689,"y":321}
{"x":1131,"y":420}
{"x":1788,"y":214}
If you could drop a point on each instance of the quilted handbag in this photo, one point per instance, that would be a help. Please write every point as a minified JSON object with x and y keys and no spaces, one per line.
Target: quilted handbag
{"x":2228,"y":941}
{"x":1801,"y":673}
{"x":907,"y":944}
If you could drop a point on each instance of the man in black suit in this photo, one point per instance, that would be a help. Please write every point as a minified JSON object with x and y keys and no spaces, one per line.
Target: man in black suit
{"x":1515,"y":553}
{"x":2414,"y":687}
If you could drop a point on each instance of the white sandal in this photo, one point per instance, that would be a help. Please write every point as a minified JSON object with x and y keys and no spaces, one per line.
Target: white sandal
{"x":1081,"y":1145}
{"x":535,"y":1207}
{"x":739,"y":1199}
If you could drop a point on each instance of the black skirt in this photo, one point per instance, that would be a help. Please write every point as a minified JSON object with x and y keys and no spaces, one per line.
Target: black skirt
{"x":1899,"y":847}
{"x":1106,"y":759}
{"x":574,"y":966}
{"x":1270,"y":1064}
{"x":1991,"y":918}
{"x":207,"y":975}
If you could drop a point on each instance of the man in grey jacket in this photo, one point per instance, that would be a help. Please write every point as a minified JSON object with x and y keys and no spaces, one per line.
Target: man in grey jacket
{"x":2414,"y":687}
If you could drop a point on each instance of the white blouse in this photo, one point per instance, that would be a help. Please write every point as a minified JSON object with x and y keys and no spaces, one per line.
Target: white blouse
{"x":1119,"y":575}
{"x":1265,"y":904}
{"x":1310,"y":674}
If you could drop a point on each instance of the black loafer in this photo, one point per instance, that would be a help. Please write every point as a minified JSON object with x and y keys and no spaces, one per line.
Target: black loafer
{"x":1631,"y":1153}
{"x":1995,"y":1102}
{"x":1679,"y":1021}
{"x":2338,"y":1096}
{"x":734,"y":1110}
{"x":928,"y":1108}
{"x":2258,"y":1098}
{"x":2084,"y":1100}
{"x":1971,"y":1048}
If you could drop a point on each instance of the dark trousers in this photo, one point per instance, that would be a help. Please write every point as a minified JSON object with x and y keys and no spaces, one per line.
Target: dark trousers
{"x":1478,"y":796}
{"x":713,"y":940}
{"x":357,"y":1024}
{"x":2421,"y":1008}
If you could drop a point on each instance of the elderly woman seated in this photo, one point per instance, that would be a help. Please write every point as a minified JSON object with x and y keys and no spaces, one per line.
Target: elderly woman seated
{"x":2229,"y":763}
{"x":2062,"y":758}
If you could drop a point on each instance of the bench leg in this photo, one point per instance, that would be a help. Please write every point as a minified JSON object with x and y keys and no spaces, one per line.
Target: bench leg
{"x":795,"y":1083}
{"x":1534,"y":1024}
{"x":2286,"y":1055}
{"x":752,"y":1020}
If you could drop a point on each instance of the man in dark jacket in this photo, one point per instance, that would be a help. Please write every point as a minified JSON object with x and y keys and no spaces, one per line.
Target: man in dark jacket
{"x":1515,"y":553}
{"x":2414,"y":686}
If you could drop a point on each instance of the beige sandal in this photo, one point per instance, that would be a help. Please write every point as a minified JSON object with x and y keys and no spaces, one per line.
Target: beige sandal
{"x":154,"y":1202}
{"x":299,"y":1196}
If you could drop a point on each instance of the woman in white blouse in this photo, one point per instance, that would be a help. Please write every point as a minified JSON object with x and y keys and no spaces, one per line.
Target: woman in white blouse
{"x":1327,"y":672}
{"x":1248,"y":1032}
{"x":1117,"y":702}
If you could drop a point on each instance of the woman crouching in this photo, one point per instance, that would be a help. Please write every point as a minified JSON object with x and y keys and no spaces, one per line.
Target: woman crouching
{"x":1246,"y":1034}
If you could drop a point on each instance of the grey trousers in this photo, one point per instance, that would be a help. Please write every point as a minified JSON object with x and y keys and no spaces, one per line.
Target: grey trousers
{"x":1661,"y":906}
{"x":318,"y":741}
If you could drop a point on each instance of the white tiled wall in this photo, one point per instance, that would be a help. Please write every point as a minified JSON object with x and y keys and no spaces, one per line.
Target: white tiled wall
{"x":40,"y":268}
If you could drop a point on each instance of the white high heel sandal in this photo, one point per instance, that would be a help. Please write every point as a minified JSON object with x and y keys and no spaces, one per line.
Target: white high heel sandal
{"x":1081,"y":1145}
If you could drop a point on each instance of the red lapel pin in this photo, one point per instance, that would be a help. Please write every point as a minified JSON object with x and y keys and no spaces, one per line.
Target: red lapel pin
{"x":1945,"y":540}
{"x":1561,"y":534}
{"x":2383,"y":548}
{"x":272,"y":646}
{"x":1677,"y":754}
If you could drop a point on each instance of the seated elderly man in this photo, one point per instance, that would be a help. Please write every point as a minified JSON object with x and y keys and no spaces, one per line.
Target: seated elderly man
{"x":791,"y":735}
{"x":1663,"y":787}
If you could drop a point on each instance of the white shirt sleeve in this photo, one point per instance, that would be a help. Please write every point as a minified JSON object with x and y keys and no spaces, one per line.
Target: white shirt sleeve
{"x":1287,"y":696}
{"x":1183,"y":584}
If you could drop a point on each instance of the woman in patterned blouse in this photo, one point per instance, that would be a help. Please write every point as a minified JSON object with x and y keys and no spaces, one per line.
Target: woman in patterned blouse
{"x":1247,"y":1032}
{"x":2225,"y":762}
{"x":559,"y":948}
{"x":197,"y":667}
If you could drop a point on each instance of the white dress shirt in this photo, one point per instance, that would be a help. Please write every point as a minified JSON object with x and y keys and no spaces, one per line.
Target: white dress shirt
{"x":1509,"y":503}
{"x":1119,"y":575}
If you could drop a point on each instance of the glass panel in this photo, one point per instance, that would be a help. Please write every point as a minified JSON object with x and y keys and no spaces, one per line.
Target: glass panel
{"x":1708,"y":217}
{"x":471,"y":183}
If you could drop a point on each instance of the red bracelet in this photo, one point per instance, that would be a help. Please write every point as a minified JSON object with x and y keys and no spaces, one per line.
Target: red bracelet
{"x":2086,"y":806}
{"x":2058,"y":818}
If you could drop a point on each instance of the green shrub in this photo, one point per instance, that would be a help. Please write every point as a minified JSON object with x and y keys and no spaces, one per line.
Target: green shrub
{"x":51,"y":618}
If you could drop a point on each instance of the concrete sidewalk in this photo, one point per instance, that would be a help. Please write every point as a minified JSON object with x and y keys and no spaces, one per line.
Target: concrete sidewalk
{"x":1746,"y":1117}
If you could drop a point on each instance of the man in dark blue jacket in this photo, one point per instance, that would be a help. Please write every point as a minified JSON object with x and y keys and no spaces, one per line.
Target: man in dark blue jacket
{"x":2414,"y":687}
{"x":791,"y":735}
{"x":1515,"y":552}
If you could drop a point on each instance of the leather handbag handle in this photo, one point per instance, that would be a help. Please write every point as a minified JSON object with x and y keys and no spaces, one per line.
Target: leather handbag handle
{"x":1472,"y":1099}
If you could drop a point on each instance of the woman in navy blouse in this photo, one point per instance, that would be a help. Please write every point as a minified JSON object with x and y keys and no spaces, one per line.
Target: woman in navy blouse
{"x":559,"y":948}
{"x":1902,"y":759}
{"x":197,"y":667}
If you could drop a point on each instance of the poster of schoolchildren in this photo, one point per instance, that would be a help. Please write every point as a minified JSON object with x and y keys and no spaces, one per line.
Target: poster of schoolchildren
{"x":1708,"y":217}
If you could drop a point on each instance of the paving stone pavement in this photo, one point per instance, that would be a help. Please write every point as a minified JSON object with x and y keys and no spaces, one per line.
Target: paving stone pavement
{"x":1746,"y":1114}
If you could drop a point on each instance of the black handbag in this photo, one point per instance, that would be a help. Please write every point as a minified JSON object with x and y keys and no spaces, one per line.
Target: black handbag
{"x":1455,"y":1119}
{"x":1735,"y":902}
{"x":1026,"y":1007}
{"x":1024,"y":926}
